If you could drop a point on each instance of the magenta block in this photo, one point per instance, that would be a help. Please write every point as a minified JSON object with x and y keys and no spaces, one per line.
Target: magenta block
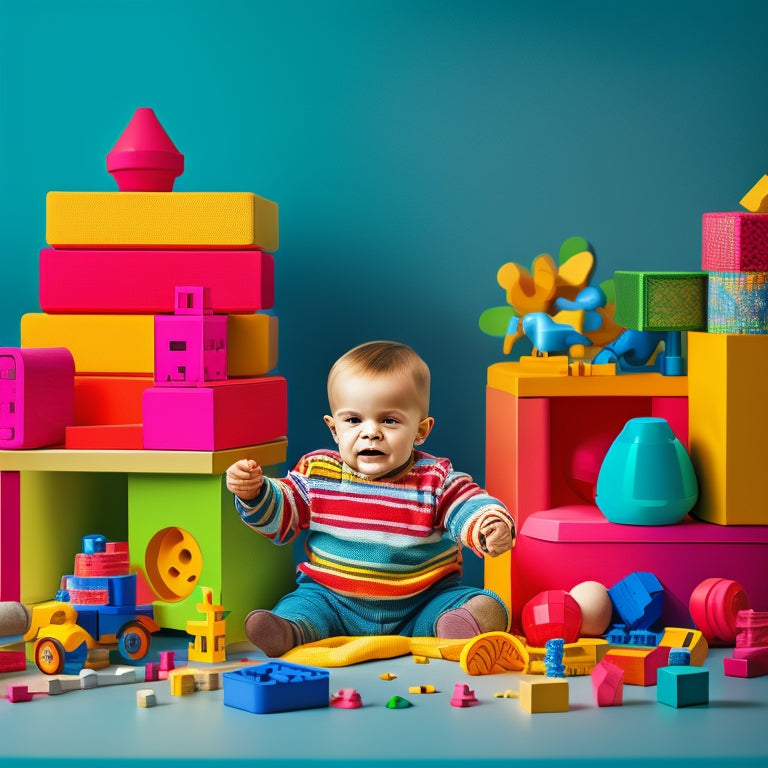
{"x":10,"y":536}
{"x":37,"y":396}
{"x":190,"y":349}
{"x":192,"y":300}
{"x":221,"y":415}
{"x":143,"y":282}
{"x":559,"y":548}
{"x":734,"y":242}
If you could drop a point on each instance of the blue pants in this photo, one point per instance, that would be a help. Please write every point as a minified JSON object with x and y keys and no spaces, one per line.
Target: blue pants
{"x":322,"y":613}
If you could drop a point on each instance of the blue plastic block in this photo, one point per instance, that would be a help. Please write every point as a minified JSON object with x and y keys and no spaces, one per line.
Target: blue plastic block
{"x":682,"y":686}
{"x":276,"y":687}
{"x":638,"y":599}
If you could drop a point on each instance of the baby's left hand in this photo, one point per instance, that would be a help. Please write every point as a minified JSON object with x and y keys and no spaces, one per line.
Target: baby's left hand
{"x":497,"y":537}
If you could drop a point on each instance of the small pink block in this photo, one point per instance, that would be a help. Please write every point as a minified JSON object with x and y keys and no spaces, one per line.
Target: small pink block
{"x":734,"y":242}
{"x":18,"y":693}
{"x":222,"y":415}
{"x":190,"y":350}
{"x":463,"y":696}
{"x":608,"y":684}
{"x":144,"y":281}
{"x":37,"y":395}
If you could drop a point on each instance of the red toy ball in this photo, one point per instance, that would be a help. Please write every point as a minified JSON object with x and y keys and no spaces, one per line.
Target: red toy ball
{"x":551,"y":615}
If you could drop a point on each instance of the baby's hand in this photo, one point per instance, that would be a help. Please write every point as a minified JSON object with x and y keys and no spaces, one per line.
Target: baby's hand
{"x":244,"y":479}
{"x":497,"y":537}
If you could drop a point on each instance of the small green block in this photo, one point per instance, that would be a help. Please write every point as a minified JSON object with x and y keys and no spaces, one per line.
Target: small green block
{"x":661,"y":301}
{"x":682,"y":686}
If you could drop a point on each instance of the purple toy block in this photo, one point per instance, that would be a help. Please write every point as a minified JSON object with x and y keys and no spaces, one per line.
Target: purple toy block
{"x":216,"y":417}
{"x":734,"y":242}
{"x":37,"y":396}
{"x":190,"y":349}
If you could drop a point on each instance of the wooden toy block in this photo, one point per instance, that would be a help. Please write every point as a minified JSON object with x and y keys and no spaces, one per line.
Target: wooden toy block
{"x":728,"y":414}
{"x":104,"y":400}
{"x":756,"y":200}
{"x":145,"y":697}
{"x":682,"y":686}
{"x":36,"y":396}
{"x":183,"y":533}
{"x":547,"y":694}
{"x":124,"y":345}
{"x":10,"y":534}
{"x":190,"y":350}
{"x":218,"y":219}
{"x":107,"y":437}
{"x":221,"y":415}
{"x":640,"y":665}
{"x":661,"y":301}
{"x":182,"y":683}
{"x":737,"y":302}
{"x":252,"y":345}
{"x":137,"y":281}
{"x":734,"y":242}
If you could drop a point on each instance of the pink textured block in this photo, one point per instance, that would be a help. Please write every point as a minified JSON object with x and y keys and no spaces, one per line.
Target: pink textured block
{"x":143,"y":282}
{"x":562,"y":547}
{"x":10,"y":536}
{"x":190,"y":350}
{"x":734,"y":242}
{"x":216,"y":417}
{"x":608,"y":684}
{"x":37,"y":395}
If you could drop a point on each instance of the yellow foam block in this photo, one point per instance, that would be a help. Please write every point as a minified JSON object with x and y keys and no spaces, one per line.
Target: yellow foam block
{"x":125,"y":344}
{"x":728,"y":422}
{"x":222,"y":219}
{"x":756,"y":200}
{"x":548,"y":694}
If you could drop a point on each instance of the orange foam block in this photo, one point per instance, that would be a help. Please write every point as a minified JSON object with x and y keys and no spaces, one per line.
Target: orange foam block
{"x":225,"y":414}
{"x":110,"y":281}
{"x":105,"y":437}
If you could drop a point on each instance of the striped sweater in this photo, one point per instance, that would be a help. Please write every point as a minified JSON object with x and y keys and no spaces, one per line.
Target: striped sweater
{"x":386,"y":538}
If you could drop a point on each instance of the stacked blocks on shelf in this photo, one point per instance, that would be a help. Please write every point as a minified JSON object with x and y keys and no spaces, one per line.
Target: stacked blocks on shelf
{"x":162,"y":301}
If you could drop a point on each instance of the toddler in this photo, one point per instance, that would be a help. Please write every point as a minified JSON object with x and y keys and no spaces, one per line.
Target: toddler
{"x":386,"y":521}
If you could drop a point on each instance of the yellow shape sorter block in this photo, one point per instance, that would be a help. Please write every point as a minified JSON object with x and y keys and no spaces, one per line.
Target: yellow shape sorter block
{"x":221,"y":219}
{"x":547,"y":694}
{"x":728,"y":423}
{"x":115,"y":344}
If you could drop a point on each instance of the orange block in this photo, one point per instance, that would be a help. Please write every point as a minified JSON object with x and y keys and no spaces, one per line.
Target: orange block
{"x":105,"y":437}
{"x":109,"y":399}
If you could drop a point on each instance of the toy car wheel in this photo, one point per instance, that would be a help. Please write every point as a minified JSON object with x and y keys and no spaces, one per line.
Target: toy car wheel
{"x":49,"y":656}
{"x":134,"y":641}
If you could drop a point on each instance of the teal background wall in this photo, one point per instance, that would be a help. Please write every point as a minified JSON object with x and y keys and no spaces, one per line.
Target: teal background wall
{"x":413,"y":146}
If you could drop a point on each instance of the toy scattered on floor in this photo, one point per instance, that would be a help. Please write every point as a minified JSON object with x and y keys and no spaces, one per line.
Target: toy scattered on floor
{"x":387,"y":676}
{"x":92,"y":678}
{"x":19,"y":693}
{"x":463,"y":696}
{"x":145,"y":697}
{"x":421,"y":689}
{"x":543,"y":695}
{"x":94,"y":610}
{"x":750,"y":656}
{"x":398,"y":702}
{"x":210,"y":633}
{"x":646,"y":477}
{"x":187,"y":680}
{"x":682,"y":686}
{"x":608,"y":684}
{"x":346,"y":698}
{"x":276,"y":687}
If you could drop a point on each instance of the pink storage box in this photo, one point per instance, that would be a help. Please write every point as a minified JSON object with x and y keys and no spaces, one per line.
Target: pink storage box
{"x":221,"y":415}
{"x":37,"y":396}
{"x":559,"y":548}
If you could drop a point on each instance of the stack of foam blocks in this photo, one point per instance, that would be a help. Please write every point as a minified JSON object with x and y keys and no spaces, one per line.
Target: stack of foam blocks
{"x":164,"y":301}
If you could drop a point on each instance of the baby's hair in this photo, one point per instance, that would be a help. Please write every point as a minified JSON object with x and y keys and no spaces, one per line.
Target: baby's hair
{"x":377,"y":357}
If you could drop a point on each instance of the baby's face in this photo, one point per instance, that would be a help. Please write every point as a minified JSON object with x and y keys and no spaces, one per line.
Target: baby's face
{"x":376,"y":420}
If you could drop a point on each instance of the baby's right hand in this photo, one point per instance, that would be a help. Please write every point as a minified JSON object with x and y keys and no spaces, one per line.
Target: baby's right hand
{"x":244,"y":479}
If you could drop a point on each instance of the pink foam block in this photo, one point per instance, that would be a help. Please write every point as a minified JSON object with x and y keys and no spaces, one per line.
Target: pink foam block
{"x":190,"y":349}
{"x":36,"y":396}
{"x":562,"y":547}
{"x":607,"y":684}
{"x":105,"y":281}
{"x":219,"y":416}
{"x":10,"y":535}
{"x":734,"y":242}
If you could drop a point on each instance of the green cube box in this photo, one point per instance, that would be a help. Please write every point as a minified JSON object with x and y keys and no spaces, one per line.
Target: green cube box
{"x":661,"y":301}
{"x":682,"y":686}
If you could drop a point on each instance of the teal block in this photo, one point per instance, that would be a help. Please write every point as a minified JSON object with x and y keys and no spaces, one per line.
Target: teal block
{"x":682,"y":686}
{"x":184,"y":533}
{"x":661,"y":301}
